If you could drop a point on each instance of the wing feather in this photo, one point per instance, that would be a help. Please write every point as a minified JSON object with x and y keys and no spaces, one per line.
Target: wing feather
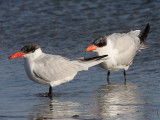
{"x":53,"y":68}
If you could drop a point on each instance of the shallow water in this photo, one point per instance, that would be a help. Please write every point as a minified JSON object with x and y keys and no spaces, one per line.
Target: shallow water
{"x":67,"y":28}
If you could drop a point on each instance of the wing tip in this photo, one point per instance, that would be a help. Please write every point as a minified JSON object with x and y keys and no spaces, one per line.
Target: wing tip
{"x":144,"y":33}
{"x":95,"y":58}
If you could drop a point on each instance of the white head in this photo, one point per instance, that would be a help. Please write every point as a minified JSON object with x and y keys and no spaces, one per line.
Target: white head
{"x":28,"y":51}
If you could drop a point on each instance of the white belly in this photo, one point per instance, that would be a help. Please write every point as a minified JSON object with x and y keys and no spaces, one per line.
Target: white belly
{"x":61,"y":81}
{"x":112,"y":65}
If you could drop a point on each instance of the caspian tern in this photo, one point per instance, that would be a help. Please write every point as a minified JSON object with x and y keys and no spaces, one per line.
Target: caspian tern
{"x":50,"y":69}
{"x":121,"y":49}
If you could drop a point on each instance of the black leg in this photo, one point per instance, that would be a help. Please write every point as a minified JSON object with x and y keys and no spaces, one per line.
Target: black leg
{"x":50,"y":92}
{"x":124,"y":76}
{"x":108,"y":74}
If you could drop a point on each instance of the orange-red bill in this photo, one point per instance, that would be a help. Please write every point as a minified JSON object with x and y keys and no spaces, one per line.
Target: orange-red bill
{"x":16,"y":55}
{"x":91,"y":47}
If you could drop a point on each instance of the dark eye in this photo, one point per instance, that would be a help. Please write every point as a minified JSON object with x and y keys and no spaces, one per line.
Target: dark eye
{"x":33,"y":50}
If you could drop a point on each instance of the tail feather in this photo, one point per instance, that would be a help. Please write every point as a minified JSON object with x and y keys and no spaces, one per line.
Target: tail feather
{"x":144,"y":33}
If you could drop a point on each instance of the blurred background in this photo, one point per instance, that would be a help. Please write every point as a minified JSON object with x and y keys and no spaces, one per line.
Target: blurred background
{"x":67,"y":27}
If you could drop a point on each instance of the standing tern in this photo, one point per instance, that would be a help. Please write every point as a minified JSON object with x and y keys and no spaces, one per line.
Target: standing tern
{"x":121,"y":49}
{"x":50,"y":69}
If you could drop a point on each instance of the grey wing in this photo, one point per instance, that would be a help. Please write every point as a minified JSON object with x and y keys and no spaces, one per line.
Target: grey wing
{"x":52,"y":68}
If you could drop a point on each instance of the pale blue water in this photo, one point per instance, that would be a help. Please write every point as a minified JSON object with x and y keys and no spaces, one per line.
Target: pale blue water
{"x":67,"y":28}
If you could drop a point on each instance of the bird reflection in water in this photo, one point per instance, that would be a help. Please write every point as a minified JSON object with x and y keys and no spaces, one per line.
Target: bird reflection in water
{"x":54,"y":109}
{"x":118,"y":101}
